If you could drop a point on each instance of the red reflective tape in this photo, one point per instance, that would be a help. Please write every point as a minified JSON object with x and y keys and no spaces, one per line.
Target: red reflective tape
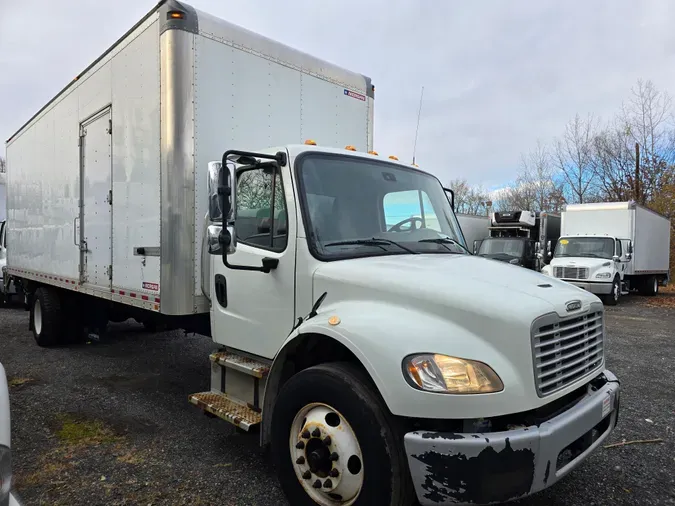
{"x":122,"y":292}
{"x":157,"y":300}
{"x":132,"y":295}
{"x":144,"y":297}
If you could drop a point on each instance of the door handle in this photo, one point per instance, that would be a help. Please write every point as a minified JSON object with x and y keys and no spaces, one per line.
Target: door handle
{"x":77,"y":218}
{"x":221,"y":289}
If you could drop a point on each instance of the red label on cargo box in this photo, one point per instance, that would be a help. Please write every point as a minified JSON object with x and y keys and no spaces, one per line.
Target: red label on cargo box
{"x":355,"y":95}
{"x":151,"y":286}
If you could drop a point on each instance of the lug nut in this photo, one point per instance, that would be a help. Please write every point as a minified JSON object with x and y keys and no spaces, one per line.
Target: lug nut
{"x":300,"y":461}
{"x":316,"y":432}
{"x":307,"y":475}
{"x":305,"y":434}
{"x":334,"y":456}
{"x":328,"y":484}
{"x":316,"y":484}
{"x":327,"y":441}
{"x":334,"y":473}
{"x":300,"y":445}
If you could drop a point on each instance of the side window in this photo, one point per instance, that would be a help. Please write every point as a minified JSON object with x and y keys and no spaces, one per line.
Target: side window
{"x":261,"y":219}
{"x":411,"y":208}
{"x":618,"y":248}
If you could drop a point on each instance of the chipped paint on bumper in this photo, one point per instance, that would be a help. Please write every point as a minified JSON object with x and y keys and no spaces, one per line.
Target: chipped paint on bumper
{"x":485,"y":468}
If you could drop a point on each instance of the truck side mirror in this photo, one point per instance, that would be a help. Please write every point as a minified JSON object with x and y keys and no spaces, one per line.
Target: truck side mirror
{"x":213,"y":239}
{"x":225,"y":195}
{"x":616,"y":258}
{"x":549,"y":252}
{"x":629,"y":256}
{"x":476,"y":246}
{"x":213,"y":175}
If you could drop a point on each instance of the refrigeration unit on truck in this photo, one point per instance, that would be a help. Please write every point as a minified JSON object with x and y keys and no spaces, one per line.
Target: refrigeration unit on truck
{"x":474,"y":227}
{"x":524,"y":238}
{"x":145,"y":189}
{"x":610,"y":248}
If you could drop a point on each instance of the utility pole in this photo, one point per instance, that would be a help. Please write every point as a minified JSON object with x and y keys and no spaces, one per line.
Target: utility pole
{"x":637,"y":172}
{"x":417,"y":129}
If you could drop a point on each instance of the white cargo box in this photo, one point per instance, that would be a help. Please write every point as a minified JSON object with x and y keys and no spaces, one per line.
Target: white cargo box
{"x":107,"y":182}
{"x":648,"y":231}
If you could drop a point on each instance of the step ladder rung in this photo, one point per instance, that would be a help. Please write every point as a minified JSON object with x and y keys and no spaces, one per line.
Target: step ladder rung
{"x":229,"y":410}
{"x":240,"y":363}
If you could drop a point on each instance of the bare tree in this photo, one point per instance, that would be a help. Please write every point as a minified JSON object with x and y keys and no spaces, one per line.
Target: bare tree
{"x":469,"y":199}
{"x":647,"y":120}
{"x":537,"y":182}
{"x":614,"y":164}
{"x":3,"y":165}
{"x":574,"y":158}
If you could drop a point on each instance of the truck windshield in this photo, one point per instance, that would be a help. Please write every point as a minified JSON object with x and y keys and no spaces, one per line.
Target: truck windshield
{"x":354,"y":207}
{"x":592,"y":247}
{"x":502,"y":246}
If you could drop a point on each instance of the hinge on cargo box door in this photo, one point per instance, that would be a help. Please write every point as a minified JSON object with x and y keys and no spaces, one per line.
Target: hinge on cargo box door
{"x":109,"y":130}
{"x":109,"y":272}
{"x":109,"y":198}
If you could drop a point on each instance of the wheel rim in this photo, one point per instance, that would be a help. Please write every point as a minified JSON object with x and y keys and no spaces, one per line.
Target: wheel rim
{"x":326,"y":455}
{"x":656,"y":286}
{"x":37,"y":317}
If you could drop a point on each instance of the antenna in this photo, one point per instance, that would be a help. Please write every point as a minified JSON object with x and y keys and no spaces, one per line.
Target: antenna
{"x":419,"y":113}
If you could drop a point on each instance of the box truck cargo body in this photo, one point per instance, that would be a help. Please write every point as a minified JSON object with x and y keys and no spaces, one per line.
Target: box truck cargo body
{"x":610,"y":248}
{"x":220,"y":182}
{"x":107,"y":181}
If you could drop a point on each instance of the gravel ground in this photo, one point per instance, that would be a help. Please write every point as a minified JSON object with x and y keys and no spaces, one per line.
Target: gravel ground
{"x":109,"y":422}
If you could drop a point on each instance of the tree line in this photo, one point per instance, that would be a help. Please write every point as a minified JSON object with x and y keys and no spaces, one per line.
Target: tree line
{"x":629,"y":157}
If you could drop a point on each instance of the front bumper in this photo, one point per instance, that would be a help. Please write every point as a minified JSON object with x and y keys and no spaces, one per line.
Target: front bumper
{"x":485,"y":468}
{"x":597,"y":288}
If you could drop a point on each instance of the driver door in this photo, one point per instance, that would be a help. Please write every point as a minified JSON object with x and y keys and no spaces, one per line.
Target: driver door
{"x":254,"y":311}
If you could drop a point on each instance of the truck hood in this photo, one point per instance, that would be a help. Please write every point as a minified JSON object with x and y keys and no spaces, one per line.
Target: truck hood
{"x":446,"y":284}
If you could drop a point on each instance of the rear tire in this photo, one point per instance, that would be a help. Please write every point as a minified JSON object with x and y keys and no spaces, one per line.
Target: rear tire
{"x":651,"y":285}
{"x":612,"y":299}
{"x":360,"y":421}
{"x":46,"y":317}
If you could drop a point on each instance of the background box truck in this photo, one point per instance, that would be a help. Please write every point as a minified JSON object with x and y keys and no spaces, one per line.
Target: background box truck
{"x":610,"y":248}
{"x":169,"y":182}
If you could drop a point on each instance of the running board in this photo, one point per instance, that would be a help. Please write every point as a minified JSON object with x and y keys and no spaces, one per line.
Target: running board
{"x":224,"y":407}
{"x":239,"y":363}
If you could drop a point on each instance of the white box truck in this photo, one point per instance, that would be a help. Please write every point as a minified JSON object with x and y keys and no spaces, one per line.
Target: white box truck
{"x":610,"y":248}
{"x":145,"y":189}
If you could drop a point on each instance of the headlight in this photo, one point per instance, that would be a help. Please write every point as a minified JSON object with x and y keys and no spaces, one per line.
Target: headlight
{"x":603,"y":275}
{"x":5,"y":473}
{"x":450,"y":375}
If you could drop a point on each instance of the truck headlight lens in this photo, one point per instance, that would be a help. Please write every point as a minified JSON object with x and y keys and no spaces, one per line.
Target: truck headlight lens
{"x":5,"y":472}
{"x":450,"y":375}
{"x":603,"y":275}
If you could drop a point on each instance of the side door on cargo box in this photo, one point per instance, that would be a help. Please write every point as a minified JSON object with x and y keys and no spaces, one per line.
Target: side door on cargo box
{"x":96,"y":200}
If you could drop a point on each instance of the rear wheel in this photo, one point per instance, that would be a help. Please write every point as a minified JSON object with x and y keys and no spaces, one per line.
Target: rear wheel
{"x":46,"y":318}
{"x":335,"y":443}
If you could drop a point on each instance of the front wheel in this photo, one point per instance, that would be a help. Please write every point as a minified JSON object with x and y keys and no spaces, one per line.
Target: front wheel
{"x":613,"y":298}
{"x":335,"y":443}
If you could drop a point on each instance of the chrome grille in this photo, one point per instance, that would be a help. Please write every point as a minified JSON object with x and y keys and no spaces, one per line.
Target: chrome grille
{"x":567,"y":272}
{"x":565,"y":350}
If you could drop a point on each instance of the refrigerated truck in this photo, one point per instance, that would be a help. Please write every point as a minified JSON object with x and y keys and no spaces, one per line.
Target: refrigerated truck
{"x":145,"y":189}
{"x":611,"y":248}
{"x":521,"y":237}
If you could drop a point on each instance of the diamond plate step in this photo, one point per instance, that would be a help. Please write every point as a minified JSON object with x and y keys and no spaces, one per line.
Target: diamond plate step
{"x":243,"y":364}
{"x":229,"y":410}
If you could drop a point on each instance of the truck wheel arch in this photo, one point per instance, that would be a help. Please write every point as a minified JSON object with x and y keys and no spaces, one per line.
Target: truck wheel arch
{"x":303,"y":350}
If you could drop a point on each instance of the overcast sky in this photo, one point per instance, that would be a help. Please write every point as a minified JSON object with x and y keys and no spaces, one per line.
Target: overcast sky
{"x":498,"y":75}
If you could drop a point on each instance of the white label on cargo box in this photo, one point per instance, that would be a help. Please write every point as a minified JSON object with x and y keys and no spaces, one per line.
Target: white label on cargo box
{"x":151,"y":286}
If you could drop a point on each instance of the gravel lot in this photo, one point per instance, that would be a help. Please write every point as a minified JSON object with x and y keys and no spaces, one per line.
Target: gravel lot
{"x":109,"y":422}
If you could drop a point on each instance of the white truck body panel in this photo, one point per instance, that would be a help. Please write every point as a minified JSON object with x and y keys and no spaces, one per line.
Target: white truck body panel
{"x":652,"y":236}
{"x":177,"y":99}
{"x":3,"y":196}
{"x":474,"y":228}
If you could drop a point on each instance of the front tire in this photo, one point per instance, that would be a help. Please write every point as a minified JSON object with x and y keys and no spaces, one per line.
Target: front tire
{"x":361,"y":463}
{"x":46,"y":317}
{"x":613,"y":298}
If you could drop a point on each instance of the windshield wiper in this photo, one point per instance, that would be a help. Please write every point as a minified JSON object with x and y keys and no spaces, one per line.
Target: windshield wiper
{"x":444,"y":241}
{"x":375,"y":241}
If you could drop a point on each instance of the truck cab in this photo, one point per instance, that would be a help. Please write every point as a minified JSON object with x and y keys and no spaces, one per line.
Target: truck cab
{"x":7,"y":287}
{"x":596,"y":263}
{"x":358,"y":332}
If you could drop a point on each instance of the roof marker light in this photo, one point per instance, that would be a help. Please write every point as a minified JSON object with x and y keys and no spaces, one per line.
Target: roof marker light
{"x":350,"y":148}
{"x":310,"y":142}
{"x":373,"y":153}
{"x":392,"y":157}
